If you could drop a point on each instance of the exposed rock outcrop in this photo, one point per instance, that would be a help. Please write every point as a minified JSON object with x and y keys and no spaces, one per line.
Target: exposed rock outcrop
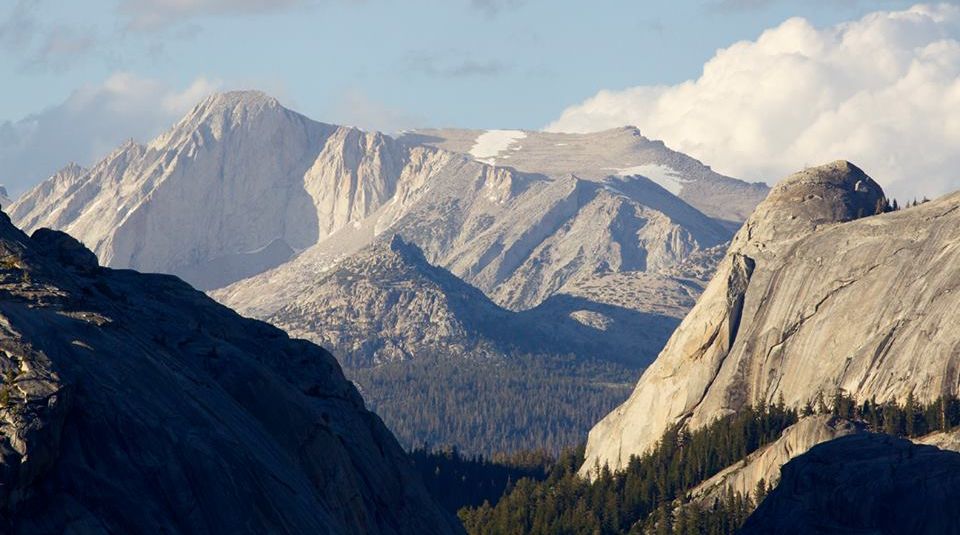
{"x":132,"y":403}
{"x":234,"y":188}
{"x":807,"y":301}
{"x":864,"y":483}
{"x":764,"y":464}
{"x":258,"y":205}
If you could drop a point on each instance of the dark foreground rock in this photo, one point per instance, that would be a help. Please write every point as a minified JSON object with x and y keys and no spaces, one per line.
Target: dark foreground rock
{"x":132,"y":403}
{"x":864,"y":483}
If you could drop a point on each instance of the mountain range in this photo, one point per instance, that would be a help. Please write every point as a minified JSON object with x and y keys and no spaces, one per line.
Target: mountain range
{"x":599,"y":243}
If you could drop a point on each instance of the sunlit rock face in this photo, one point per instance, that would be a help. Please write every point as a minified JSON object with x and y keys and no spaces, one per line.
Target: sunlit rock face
{"x":813,"y":296}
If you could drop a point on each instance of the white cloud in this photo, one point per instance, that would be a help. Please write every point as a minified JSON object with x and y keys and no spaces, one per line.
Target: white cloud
{"x":90,"y":123}
{"x":883,"y":92}
{"x":156,"y":14}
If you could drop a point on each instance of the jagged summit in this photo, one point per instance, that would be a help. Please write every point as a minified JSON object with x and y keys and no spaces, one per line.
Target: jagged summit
{"x":71,"y":169}
{"x":241,"y":184}
{"x":235,"y":98}
{"x":219,"y":113}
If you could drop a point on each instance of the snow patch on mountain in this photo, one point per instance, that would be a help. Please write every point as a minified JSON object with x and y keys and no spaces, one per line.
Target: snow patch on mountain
{"x":492,"y":142}
{"x":665,"y":176}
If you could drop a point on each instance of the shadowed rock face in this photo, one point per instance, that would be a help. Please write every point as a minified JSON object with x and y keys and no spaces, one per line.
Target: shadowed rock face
{"x":743,"y":476}
{"x":807,"y":301}
{"x":132,"y":403}
{"x":864,"y":483}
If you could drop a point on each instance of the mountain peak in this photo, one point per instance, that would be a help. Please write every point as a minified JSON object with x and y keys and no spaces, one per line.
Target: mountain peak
{"x":235,"y":99}
{"x":232,"y":106}
{"x":222,"y":112}
{"x":831,"y":193}
{"x":838,"y":173}
{"x":72,"y":168}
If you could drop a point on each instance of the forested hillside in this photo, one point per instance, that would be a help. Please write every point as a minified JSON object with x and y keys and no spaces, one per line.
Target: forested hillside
{"x":651,"y":495}
{"x":546,"y":402}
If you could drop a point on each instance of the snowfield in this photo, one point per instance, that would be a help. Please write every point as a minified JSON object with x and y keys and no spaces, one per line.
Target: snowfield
{"x":492,"y":142}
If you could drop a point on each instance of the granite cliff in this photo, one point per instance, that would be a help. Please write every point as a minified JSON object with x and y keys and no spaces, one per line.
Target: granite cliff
{"x":813,"y":297}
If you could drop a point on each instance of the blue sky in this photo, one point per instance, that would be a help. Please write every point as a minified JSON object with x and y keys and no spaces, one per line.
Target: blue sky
{"x":80,"y":77}
{"x":429,"y":62}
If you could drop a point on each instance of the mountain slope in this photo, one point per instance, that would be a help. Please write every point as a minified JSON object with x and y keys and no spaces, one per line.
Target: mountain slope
{"x":620,"y":151}
{"x":524,"y":246}
{"x":133,"y":403}
{"x":803,"y":305}
{"x":399,"y":306}
{"x":409,"y":333}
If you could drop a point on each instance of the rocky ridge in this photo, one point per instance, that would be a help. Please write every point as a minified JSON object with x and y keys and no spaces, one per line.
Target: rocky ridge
{"x":620,"y":151}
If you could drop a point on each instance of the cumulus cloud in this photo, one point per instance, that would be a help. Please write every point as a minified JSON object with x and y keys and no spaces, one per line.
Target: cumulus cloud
{"x":90,"y":123}
{"x":882,"y":91}
{"x":157,"y":14}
